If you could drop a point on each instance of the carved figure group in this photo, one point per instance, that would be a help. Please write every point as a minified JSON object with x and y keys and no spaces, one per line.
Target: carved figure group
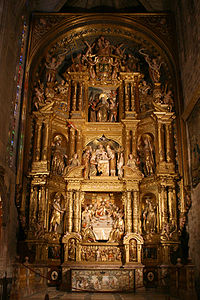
{"x":102,"y":162}
{"x":103,"y":108}
{"x":103,"y":254}
{"x":46,"y":93}
{"x":99,"y":216}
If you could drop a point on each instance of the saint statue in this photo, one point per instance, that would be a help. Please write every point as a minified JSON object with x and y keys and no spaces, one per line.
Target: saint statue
{"x":57,"y":213}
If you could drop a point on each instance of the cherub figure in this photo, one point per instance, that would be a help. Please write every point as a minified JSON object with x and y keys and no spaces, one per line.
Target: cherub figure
{"x":52,"y":64}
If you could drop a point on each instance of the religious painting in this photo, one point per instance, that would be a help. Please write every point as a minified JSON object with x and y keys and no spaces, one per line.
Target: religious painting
{"x":103,"y":104}
{"x":54,"y":252}
{"x":108,"y":280}
{"x":102,"y":217}
{"x":194,"y":138}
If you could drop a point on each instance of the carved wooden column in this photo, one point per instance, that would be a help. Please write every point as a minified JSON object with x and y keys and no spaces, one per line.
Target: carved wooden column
{"x":132,"y":96}
{"x":40,"y":205}
{"x":127,"y":150}
{"x":126,"y":96}
{"x":45,"y":141}
{"x":72,"y":141}
{"x":134,"y":140}
{"x":81,"y":200}
{"x":135,"y":211}
{"x":168,"y":143}
{"x":128,"y":213}
{"x":164,"y":205}
{"x":70,"y":210}
{"x":172,"y":203}
{"x":33,"y":204}
{"x":79,"y":144}
{"x":80,"y":96}
{"x":74,"y":83}
{"x":160,"y":141}
{"x":38,"y":140}
{"x":160,"y":209}
{"x":76,"y":211}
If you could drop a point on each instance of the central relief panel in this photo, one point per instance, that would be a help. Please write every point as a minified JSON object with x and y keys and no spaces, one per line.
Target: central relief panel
{"x":103,"y":218}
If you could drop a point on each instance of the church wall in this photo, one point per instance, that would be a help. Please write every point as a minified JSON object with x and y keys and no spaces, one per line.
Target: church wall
{"x":188,"y":26}
{"x":10,"y":20}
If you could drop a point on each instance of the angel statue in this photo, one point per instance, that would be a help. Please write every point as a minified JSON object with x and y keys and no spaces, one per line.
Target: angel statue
{"x":154,"y":66}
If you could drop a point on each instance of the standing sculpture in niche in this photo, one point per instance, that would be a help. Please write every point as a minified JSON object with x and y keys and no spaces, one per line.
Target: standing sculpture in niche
{"x":103,"y":105}
{"x":72,"y":250}
{"x":102,"y":109}
{"x":133,"y":250}
{"x":56,"y":214}
{"x":58,"y":162}
{"x":146,"y":154}
{"x":149,"y":218}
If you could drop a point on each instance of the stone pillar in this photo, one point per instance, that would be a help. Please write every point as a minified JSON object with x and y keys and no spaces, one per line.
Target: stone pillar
{"x":37,"y":143}
{"x":126,"y":96}
{"x":128,"y":213}
{"x":45,"y":141}
{"x":132,"y":96}
{"x":74,"y":84}
{"x":80,"y":96}
{"x":76,"y":211}
{"x":135,"y":211}
{"x":168,"y":143}
{"x":72,"y":141}
{"x":160,"y":142}
{"x":70,"y":210}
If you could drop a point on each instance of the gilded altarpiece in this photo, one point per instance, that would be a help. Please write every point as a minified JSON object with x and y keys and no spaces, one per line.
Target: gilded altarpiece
{"x":100,"y":164}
